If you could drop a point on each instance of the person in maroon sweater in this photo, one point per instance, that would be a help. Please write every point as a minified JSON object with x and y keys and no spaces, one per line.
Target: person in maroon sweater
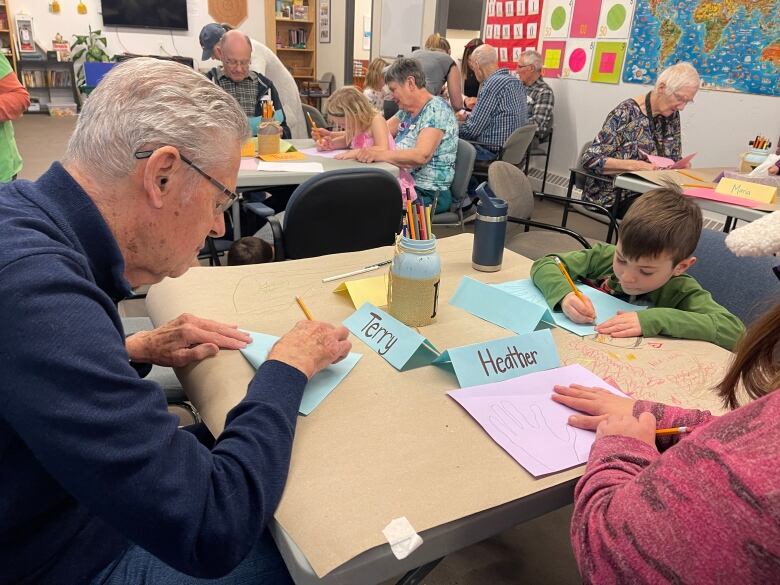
{"x":698,"y":507}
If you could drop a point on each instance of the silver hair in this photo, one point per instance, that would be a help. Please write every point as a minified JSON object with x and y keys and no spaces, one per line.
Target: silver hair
{"x":531,"y":57}
{"x":235,"y":33}
{"x":485,"y":55}
{"x":403,"y":68}
{"x":679,"y":75}
{"x":146,"y":103}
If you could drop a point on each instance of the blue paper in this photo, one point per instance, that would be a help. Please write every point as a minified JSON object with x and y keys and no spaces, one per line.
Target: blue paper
{"x":323,"y":382}
{"x":501,"y":359}
{"x":402,"y":347}
{"x":254,"y":122}
{"x":606,"y":305}
{"x":497,"y":306}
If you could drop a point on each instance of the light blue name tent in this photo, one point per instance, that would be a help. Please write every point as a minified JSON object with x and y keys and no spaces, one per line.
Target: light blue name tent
{"x":402,"y":347}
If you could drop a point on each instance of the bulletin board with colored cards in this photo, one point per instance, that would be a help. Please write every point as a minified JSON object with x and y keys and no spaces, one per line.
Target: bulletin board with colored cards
{"x":512,"y":26}
{"x":585,"y":39}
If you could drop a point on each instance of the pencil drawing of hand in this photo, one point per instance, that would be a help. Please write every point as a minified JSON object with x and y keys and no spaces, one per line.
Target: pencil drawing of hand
{"x":530,"y":431}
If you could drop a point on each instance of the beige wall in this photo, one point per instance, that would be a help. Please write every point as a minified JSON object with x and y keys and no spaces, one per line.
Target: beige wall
{"x":330,"y":56}
{"x":362,"y":8}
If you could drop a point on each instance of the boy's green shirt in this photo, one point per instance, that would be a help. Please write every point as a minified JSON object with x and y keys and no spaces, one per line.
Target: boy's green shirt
{"x":680,"y":308}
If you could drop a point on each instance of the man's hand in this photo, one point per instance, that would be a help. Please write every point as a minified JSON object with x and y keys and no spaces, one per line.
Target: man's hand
{"x":597,"y":404}
{"x":183,"y":341}
{"x":470,"y":102}
{"x":577,"y":310}
{"x":642,"y":428}
{"x":311,"y":346}
{"x":624,"y":324}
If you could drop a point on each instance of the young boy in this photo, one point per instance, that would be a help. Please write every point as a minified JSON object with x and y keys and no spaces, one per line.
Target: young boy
{"x":250,"y":250}
{"x":658,"y":236}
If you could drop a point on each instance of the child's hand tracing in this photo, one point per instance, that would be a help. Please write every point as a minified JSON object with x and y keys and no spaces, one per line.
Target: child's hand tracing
{"x":579,"y":311}
{"x":624,"y":324}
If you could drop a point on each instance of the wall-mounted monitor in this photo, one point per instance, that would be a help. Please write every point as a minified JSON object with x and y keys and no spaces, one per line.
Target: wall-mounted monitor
{"x":166,"y":14}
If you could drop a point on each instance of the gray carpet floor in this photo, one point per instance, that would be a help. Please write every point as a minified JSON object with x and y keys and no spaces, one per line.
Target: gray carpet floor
{"x":536,"y":552}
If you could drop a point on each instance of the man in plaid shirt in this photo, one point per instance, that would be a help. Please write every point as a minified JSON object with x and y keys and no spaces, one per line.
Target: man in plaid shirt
{"x":501,"y":105}
{"x":248,"y":87}
{"x":540,"y":97}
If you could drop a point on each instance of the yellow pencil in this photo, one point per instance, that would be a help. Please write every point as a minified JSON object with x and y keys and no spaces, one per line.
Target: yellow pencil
{"x":428,"y":220}
{"x":674,"y":431}
{"x":692,"y":176}
{"x":299,"y":300}
{"x":562,"y":268}
{"x":311,"y":121}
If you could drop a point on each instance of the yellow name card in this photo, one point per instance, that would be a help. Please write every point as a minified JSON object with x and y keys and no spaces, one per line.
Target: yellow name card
{"x":283,"y":156}
{"x":747,"y":190}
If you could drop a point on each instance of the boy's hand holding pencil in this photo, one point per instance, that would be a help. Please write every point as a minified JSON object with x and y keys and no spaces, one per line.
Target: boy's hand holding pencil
{"x":575,"y":305}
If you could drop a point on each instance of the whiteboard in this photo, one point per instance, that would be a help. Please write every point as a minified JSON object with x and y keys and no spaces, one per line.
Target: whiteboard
{"x":401,"y":27}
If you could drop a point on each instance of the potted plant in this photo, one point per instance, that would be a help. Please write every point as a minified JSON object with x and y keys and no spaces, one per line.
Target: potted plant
{"x":92,"y":47}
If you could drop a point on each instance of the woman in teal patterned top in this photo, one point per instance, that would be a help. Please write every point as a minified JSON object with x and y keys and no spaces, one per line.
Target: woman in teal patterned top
{"x":648,"y":123}
{"x":425,"y":132}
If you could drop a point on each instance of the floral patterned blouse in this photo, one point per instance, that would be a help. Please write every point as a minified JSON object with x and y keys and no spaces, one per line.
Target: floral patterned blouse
{"x":626,"y":131}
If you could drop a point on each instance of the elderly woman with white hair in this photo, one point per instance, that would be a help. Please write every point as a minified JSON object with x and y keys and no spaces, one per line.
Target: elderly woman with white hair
{"x":643,"y":124}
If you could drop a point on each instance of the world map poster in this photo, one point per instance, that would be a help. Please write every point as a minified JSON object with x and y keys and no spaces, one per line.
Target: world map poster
{"x":734,"y":44}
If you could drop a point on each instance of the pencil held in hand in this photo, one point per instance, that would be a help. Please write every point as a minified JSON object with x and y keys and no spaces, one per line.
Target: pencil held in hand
{"x":586,"y":302}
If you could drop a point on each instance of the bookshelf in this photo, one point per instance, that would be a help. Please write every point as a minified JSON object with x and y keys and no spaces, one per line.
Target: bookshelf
{"x":52,"y":82}
{"x":6,"y":34}
{"x":291,"y":32}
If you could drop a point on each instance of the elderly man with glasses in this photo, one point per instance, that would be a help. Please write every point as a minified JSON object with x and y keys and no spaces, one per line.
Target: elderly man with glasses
{"x":248,"y":87}
{"x":541,"y":99}
{"x":99,"y":483}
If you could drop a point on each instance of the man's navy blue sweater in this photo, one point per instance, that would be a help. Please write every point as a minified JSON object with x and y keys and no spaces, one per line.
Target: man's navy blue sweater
{"x":90,"y":458}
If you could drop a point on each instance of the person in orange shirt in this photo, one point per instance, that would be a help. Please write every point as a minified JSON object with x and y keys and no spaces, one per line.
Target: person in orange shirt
{"x":14,"y":100}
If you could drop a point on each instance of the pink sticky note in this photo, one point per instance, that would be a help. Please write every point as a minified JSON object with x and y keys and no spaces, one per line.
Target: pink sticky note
{"x":248,"y":164}
{"x":607,"y":63}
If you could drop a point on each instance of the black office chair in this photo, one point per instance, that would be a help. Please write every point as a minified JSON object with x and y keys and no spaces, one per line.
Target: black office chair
{"x":540,"y":149}
{"x":339,"y":211}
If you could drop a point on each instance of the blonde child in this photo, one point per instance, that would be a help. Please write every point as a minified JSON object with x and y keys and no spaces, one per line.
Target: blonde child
{"x":375,"y":89}
{"x":364,"y":127}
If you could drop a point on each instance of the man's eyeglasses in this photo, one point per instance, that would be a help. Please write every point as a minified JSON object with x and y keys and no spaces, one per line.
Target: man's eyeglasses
{"x":236,"y":62}
{"x":221,"y":207}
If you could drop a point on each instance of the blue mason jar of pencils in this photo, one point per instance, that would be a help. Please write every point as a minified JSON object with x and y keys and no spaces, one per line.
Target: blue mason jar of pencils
{"x":413,"y":288}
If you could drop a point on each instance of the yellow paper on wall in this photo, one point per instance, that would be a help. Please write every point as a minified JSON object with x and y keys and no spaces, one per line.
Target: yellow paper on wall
{"x":283,"y":156}
{"x":366,"y":290}
{"x":747,"y":190}
{"x":552,"y":58}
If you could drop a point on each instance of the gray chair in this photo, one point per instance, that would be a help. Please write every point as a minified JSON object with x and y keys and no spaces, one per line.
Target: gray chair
{"x":745,"y":286}
{"x":540,"y":149}
{"x":165,"y":377}
{"x":513,"y":150}
{"x":510,"y":183}
{"x":464,"y":164}
{"x":316,"y":115}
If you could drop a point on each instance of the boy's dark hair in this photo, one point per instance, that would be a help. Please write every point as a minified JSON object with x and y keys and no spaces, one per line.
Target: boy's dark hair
{"x":250,"y":250}
{"x":661,"y":221}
